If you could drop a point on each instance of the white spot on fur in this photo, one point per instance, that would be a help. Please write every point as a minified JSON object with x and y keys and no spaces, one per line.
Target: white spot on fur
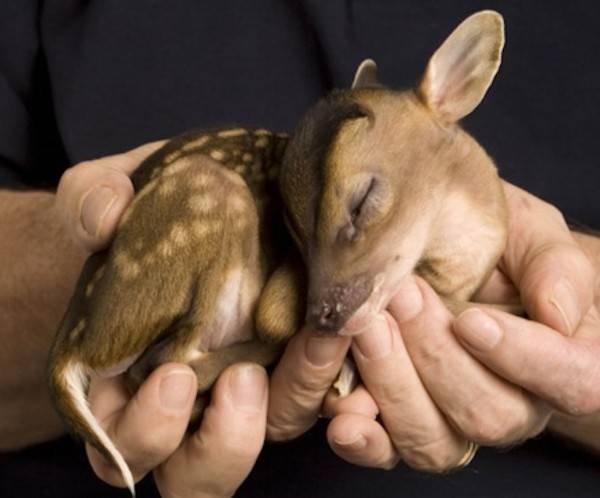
{"x":76,"y":332}
{"x":217,"y":154}
{"x":178,"y":166}
{"x":202,"y":203}
{"x":201,"y":180}
{"x":204,"y":228}
{"x":233,"y":133}
{"x":179,"y":234}
{"x":261,"y":142}
{"x":203,"y":140}
{"x":165,"y":248}
{"x":238,"y":204}
{"x":167,"y":187}
{"x":126,"y":267}
{"x":169,"y":158}
{"x":89,"y":288}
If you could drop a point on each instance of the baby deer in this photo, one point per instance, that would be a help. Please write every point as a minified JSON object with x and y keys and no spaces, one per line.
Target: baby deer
{"x":373,"y":185}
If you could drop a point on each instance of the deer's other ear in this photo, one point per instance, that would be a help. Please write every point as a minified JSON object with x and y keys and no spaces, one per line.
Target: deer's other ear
{"x":462,"y":69}
{"x":366,"y":75}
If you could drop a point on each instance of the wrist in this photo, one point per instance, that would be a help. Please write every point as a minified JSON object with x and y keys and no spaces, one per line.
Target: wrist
{"x":40,"y":267}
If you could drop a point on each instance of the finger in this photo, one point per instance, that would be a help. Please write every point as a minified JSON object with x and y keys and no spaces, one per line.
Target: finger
{"x":563,"y":371}
{"x":554,"y":276}
{"x":359,"y":402}
{"x":214,"y":461}
{"x":360,"y":440}
{"x":148,"y":427}
{"x":92,"y":196}
{"x":482,"y":406}
{"x":306,"y":371}
{"x":419,"y":431}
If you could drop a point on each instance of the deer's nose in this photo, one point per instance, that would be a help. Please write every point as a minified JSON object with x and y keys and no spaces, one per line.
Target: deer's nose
{"x":325,"y":316}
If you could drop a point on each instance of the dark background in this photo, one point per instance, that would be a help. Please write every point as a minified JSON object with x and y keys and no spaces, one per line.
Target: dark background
{"x":83,"y":79}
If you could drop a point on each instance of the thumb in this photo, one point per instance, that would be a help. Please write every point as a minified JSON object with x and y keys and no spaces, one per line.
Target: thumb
{"x":92,"y":195}
{"x":554,"y":276}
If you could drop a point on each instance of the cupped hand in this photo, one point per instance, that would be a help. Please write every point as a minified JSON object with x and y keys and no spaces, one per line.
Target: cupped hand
{"x":438,"y":384}
{"x":488,"y":377}
{"x":149,"y":430}
{"x":150,"y":427}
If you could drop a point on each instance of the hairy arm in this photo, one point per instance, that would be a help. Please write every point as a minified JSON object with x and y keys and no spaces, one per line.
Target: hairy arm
{"x":40,"y":265}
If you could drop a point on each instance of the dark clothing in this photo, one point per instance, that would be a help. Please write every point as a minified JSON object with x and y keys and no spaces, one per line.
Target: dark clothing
{"x":84,"y":79}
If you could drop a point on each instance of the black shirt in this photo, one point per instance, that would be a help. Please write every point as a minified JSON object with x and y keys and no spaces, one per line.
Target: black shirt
{"x":84,"y":79}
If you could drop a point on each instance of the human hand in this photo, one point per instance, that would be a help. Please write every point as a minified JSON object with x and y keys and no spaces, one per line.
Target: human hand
{"x":480,"y":405}
{"x":556,"y":370}
{"x":149,"y":428}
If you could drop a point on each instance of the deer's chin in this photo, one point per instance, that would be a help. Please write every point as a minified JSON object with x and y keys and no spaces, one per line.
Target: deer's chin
{"x":370,"y":310}
{"x":386,"y":286}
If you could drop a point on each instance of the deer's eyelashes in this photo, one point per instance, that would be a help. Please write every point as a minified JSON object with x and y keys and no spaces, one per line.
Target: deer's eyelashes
{"x":362,"y":208}
{"x":360,"y":199}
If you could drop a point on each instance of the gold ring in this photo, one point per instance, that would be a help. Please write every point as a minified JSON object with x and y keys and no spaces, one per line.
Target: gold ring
{"x":468,"y":456}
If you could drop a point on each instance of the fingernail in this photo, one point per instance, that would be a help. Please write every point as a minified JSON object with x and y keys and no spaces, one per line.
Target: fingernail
{"x":478,"y":330}
{"x":94,"y":208}
{"x":408,"y":302}
{"x":176,"y":389}
{"x":375,"y":342}
{"x":353,"y":442}
{"x":323,"y":351}
{"x":564,"y":299}
{"x":248,"y":388}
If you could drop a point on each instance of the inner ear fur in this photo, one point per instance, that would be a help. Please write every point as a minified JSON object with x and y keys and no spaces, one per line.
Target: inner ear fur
{"x":462,"y":68}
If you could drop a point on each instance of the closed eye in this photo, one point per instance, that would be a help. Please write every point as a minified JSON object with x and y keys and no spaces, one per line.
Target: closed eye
{"x":358,"y":205}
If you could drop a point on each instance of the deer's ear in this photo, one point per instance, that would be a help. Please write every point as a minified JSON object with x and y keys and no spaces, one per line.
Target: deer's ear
{"x":366,"y":75}
{"x":462,"y":69}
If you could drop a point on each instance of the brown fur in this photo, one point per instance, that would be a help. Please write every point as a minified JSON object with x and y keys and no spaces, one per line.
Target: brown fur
{"x":375,"y":184}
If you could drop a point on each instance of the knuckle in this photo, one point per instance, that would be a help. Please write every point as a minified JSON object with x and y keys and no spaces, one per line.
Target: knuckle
{"x":307,"y":388}
{"x":488,"y":432}
{"x":389,"y":463}
{"x":435,"y":456}
{"x":154,"y":448}
{"x":579,"y":394}
{"x":430,"y":352}
{"x":67,"y":180}
{"x":554,"y":213}
{"x":489,"y":426}
{"x":280,"y":430}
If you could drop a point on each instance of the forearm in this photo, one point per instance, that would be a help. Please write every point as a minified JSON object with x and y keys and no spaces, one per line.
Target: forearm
{"x":39,"y":268}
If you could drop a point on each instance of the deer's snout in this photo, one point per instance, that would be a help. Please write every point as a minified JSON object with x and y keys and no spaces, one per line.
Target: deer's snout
{"x":329,"y":310}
